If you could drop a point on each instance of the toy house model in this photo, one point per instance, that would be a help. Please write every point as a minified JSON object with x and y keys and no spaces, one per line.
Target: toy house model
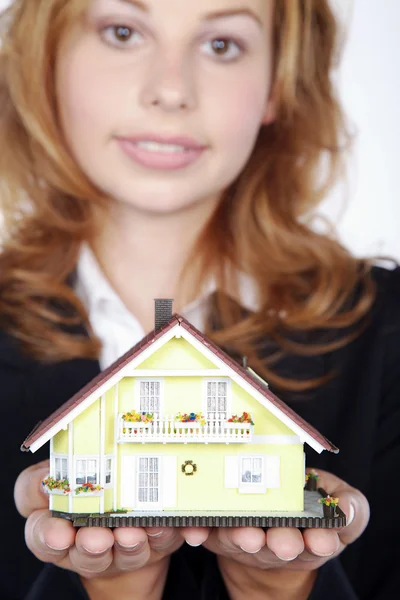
{"x":176,"y":432}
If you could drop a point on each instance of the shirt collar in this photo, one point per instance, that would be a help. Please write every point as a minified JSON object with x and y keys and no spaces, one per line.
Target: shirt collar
{"x":95,"y":290}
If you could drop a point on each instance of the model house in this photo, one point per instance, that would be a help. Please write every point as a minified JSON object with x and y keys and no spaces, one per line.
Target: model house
{"x":176,"y":426}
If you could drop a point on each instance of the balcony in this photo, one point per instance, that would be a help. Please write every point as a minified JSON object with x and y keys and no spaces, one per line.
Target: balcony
{"x":165,"y":429}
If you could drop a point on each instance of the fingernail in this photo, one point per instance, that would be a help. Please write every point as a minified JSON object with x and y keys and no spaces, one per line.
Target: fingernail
{"x":155,"y":534}
{"x":129,"y":547}
{"x":352,"y":513}
{"x":286,"y":559}
{"x":57,"y":549}
{"x":94,"y":552}
{"x":322,"y":555}
{"x":250,"y":551}
{"x":193,"y":545}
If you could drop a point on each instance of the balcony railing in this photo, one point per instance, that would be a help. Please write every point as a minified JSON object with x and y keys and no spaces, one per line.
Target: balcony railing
{"x":164,"y":429}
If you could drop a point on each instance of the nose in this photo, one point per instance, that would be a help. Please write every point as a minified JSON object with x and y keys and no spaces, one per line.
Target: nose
{"x":170,"y":84}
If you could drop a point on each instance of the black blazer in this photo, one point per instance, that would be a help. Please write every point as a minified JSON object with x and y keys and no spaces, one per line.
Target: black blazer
{"x":359,"y":410}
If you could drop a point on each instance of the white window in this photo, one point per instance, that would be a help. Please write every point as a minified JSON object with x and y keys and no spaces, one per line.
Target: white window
{"x":148,"y":480}
{"x":149,"y":396}
{"x":217,"y":398}
{"x":252,"y":470}
{"x":108,"y":468}
{"x":86,"y":470}
{"x":60,"y":467}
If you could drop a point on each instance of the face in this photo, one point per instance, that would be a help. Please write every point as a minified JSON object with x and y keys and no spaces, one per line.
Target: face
{"x":137,"y":69}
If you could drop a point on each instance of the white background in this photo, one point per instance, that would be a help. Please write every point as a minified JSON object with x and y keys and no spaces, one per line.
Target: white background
{"x":367,"y":209}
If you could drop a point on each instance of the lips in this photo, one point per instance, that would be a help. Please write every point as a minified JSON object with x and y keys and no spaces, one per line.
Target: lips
{"x":186,"y":142}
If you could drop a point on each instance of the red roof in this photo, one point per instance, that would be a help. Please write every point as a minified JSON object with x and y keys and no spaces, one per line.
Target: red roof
{"x":147,"y":341}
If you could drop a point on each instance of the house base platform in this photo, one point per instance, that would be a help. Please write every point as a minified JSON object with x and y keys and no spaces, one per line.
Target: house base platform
{"x":311,"y":517}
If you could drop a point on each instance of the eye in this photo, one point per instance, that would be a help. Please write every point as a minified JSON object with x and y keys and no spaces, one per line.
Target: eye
{"x":226,"y":48}
{"x":120,"y":35}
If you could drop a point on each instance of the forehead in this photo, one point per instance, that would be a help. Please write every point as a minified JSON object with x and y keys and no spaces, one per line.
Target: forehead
{"x":205,"y":10}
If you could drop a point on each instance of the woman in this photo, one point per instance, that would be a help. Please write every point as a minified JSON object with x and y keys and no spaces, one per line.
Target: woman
{"x":153,"y":149}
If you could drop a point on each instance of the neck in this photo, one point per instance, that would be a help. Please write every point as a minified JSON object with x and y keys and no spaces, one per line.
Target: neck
{"x":142,"y":255}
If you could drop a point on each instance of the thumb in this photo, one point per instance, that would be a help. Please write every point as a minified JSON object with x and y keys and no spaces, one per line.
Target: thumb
{"x":28,"y":490}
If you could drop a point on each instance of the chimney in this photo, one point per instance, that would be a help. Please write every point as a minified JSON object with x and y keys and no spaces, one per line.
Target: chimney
{"x":244,"y":362}
{"x":163,"y":312}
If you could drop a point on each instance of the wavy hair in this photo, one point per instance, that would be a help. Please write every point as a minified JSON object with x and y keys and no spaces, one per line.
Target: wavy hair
{"x":261,"y":226}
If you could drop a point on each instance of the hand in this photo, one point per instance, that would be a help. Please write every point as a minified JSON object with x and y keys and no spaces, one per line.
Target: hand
{"x":281,"y":550}
{"x":91,"y":551}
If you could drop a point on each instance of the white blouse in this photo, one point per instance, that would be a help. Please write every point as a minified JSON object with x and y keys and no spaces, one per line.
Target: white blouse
{"x":117,"y":328}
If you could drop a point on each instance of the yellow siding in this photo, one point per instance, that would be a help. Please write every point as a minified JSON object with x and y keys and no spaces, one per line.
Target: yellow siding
{"x":87,"y":430}
{"x":109,"y":425}
{"x":177,"y":354}
{"x":193,"y":492}
{"x":265,"y":422}
{"x":60,"y":443}
{"x":60,"y":503}
{"x":108,"y":499}
{"x":88,"y":504}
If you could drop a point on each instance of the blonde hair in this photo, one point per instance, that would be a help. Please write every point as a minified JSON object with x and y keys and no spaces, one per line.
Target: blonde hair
{"x":306,"y":280}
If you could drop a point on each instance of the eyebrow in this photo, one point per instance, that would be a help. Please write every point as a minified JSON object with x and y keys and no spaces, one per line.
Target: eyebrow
{"x":219,"y":14}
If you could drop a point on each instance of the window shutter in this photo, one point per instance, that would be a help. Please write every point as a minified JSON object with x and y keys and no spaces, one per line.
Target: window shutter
{"x":169,"y":481}
{"x":231,"y":472}
{"x":272,"y":472}
{"x":128,"y":482}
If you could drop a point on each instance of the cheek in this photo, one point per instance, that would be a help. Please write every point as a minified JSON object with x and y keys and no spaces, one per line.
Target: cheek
{"x":241,"y":116}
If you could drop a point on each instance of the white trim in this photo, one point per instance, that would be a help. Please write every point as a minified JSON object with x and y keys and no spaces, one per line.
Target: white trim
{"x":149,"y":505}
{"x":102,"y":464}
{"x":150,"y":379}
{"x":51,"y":465}
{"x":253,"y":391}
{"x":217,"y":378}
{"x":71,"y":466}
{"x":280,"y":440}
{"x":85,"y":457}
{"x":106,"y":457}
{"x":250,"y":487}
{"x":154,"y":373}
{"x":115,"y":462}
{"x":102,"y":389}
{"x":203,"y":349}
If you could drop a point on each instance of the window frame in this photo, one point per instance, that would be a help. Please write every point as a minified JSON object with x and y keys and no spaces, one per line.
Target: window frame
{"x":228,"y":383}
{"x":53,"y":469}
{"x":86,"y":457}
{"x":252,"y":487}
{"x":138,"y":383}
{"x":111,"y":470}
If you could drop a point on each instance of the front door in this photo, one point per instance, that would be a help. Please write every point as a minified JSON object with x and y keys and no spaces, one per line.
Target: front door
{"x":148,"y":482}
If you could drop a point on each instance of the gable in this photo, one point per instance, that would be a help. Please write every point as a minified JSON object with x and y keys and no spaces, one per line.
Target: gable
{"x":177,"y":353}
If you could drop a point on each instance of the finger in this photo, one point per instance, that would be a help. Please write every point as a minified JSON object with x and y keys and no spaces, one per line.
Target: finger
{"x":131,"y":548}
{"x":48,"y":538}
{"x":164,"y":541}
{"x":322,"y":543}
{"x":241,"y":539}
{"x":195,"y":536}
{"x":285,"y":543}
{"x":356,"y":508}
{"x":353,"y":503}
{"x":28,"y":490}
{"x":92,"y":553}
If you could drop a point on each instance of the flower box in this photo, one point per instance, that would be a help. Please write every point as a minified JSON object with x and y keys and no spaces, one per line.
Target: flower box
{"x":187,"y":425}
{"x":239,"y":426}
{"x":86,"y":494}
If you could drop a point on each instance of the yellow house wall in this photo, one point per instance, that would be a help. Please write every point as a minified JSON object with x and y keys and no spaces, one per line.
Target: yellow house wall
{"x":186,"y":395}
{"x":109,"y":425}
{"x":60,"y":442}
{"x":86,"y":431}
{"x":177,"y":354}
{"x":60,"y":503}
{"x":205,"y":490}
{"x":90,"y":504}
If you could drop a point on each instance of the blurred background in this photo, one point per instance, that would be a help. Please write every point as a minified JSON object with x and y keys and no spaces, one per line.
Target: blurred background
{"x":366,"y":208}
